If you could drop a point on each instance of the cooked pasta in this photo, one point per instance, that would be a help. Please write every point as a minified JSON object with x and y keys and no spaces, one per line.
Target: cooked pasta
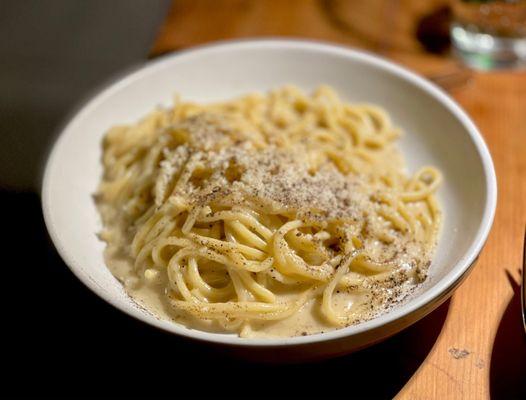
{"x":275,"y":214}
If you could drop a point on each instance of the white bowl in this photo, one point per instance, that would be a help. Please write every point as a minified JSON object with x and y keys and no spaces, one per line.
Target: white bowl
{"x":437,"y":131}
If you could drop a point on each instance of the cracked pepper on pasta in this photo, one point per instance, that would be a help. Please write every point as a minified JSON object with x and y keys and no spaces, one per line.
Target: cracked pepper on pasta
{"x":277,"y":214}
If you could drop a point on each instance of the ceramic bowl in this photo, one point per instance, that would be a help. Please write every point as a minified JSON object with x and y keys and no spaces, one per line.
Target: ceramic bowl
{"x":437,"y":132}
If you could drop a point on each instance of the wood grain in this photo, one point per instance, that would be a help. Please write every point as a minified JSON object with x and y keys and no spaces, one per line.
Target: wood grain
{"x":481,"y":349}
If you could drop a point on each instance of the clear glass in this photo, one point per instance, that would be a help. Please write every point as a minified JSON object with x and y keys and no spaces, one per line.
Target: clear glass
{"x":490,"y":34}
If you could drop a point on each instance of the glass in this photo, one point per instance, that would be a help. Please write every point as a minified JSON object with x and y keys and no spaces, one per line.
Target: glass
{"x":490,"y":34}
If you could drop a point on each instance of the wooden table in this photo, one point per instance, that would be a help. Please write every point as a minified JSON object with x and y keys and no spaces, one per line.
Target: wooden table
{"x":473,"y":346}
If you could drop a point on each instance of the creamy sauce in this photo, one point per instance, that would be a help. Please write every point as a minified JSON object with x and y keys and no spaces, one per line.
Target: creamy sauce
{"x":151,"y":296}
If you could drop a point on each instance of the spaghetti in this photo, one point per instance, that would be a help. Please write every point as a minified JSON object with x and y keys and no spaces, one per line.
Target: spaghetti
{"x":277,"y":214}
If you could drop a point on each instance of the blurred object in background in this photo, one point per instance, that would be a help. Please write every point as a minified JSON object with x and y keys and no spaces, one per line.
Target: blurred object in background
{"x":387,"y":26}
{"x":414,"y":33}
{"x":490,"y":34}
{"x":53,"y":53}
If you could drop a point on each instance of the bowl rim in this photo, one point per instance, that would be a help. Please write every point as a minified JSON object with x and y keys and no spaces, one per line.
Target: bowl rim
{"x":435,"y":294}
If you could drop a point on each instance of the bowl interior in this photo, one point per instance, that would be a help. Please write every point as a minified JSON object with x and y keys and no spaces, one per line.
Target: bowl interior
{"x":434,"y":135}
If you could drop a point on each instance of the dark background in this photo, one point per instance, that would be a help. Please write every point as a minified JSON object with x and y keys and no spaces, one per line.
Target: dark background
{"x":62,"y":340}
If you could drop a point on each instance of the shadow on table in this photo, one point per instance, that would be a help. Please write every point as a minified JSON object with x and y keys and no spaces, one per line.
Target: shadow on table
{"x":380,"y":371}
{"x":68,"y":341}
{"x":508,"y":358}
